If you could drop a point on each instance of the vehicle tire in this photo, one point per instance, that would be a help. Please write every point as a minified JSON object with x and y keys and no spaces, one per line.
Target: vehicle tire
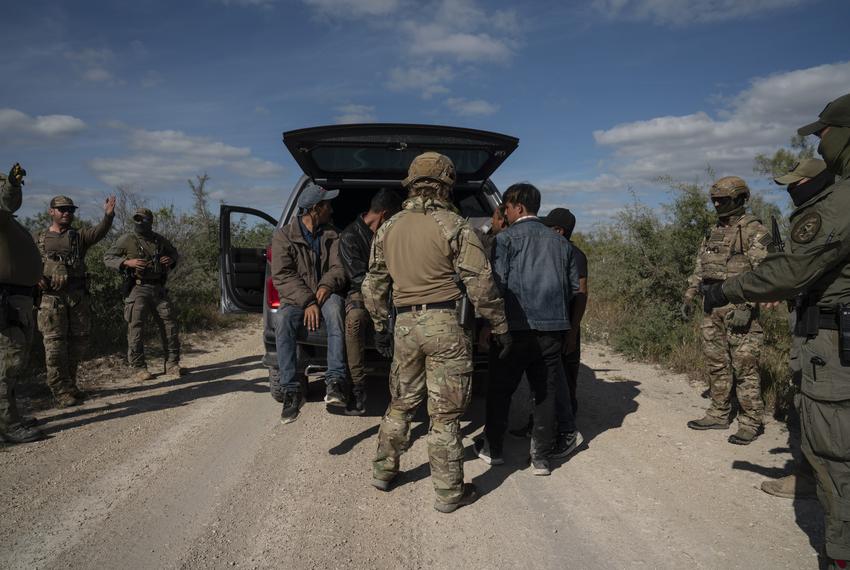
{"x":274,"y":385}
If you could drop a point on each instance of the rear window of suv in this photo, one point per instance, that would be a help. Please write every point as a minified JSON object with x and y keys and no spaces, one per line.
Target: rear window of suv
{"x":348,"y":160}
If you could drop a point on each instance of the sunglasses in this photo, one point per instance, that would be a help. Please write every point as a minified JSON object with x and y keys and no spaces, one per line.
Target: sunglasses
{"x":67,"y":209}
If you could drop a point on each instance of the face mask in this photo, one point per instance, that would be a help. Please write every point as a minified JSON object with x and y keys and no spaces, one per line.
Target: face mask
{"x":833,"y":147}
{"x":11,"y":198}
{"x":729,"y":208}
{"x":802,"y":193}
{"x":143,"y":227}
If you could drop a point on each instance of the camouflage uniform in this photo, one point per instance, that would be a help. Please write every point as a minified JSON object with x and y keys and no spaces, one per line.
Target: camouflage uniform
{"x":433,"y":354}
{"x":148,"y":294}
{"x":64,"y":316}
{"x":20,"y":269}
{"x":732,"y":337}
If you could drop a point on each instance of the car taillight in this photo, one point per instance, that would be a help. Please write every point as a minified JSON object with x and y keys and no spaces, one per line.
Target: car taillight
{"x":272,"y":297}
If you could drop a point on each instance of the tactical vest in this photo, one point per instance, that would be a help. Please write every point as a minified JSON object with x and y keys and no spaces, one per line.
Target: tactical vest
{"x":724,"y":250}
{"x":62,"y":253}
{"x":149,"y":249}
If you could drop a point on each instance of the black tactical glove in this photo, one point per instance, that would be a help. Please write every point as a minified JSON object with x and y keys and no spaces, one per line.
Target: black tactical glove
{"x":687,"y":309}
{"x":384,"y":343}
{"x":505,"y":342}
{"x":16,"y":174}
{"x":712,"y":297}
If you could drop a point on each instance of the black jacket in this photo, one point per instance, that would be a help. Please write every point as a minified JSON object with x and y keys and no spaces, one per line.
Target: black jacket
{"x":355,"y":241}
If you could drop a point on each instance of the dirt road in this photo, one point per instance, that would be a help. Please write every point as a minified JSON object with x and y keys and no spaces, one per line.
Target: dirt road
{"x":199,"y":473}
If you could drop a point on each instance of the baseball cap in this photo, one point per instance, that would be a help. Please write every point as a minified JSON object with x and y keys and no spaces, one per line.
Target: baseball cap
{"x":806,"y":168}
{"x":143,"y":213}
{"x":58,"y":201}
{"x":312,"y":194}
{"x":561,"y":217}
{"x":836,"y":113}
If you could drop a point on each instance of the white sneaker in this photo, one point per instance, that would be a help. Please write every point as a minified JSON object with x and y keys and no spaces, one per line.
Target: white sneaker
{"x":482,"y":450}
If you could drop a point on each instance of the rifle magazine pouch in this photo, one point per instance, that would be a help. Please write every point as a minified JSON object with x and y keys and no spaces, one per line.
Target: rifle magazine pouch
{"x":844,"y":335}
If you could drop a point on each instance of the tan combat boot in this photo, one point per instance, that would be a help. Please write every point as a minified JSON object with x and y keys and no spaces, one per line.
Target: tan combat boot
{"x":794,"y":486}
{"x":174,"y":368}
{"x":67,"y":400}
{"x":708,"y":423}
{"x":142,"y":375}
{"x":745,"y":435}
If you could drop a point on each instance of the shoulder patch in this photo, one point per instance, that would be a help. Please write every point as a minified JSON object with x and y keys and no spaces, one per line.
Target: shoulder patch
{"x":806,"y":227}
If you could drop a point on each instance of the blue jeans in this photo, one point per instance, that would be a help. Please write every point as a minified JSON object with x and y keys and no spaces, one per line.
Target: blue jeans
{"x":289,"y":320}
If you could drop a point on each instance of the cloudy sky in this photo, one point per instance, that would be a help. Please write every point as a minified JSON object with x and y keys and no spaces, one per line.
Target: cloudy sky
{"x":604,"y":95}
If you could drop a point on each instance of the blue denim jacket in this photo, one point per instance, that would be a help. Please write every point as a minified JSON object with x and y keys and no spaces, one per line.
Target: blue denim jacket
{"x":536,"y":270}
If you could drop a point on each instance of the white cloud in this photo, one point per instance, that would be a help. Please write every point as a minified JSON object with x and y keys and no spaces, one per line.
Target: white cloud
{"x":467,"y":107}
{"x":354,"y":8}
{"x":93,"y":64}
{"x":16,"y":123}
{"x":168,"y":156}
{"x":681,"y":12}
{"x":760,"y":119}
{"x":97,"y":75}
{"x":426,"y":80}
{"x":441,"y":40}
{"x":355,"y":114}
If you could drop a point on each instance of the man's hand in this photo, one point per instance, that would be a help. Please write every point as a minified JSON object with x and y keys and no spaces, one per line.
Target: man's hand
{"x":713,"y":297}
{"x":16,"y":174}
{"x":58,"y":281}
{"x":135,"y":263}
{"x":505,"y":342}
{"x":43,"y":283}
{"x":322,"y":295}
{"x":771,"y":304}
{"x":384,"y":343}
{"x":312,"y":317}
{"x":166,"y":261}
{"x":109,"y":205}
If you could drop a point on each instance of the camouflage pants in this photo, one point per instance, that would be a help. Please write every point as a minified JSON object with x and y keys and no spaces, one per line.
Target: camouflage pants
{"x":433,"y":357}
{"x":15,"y":343}
{"x":357,"y":324}
{"x":732,"y":356}
{"x":144,"y":300}
{"x":65,"y":323}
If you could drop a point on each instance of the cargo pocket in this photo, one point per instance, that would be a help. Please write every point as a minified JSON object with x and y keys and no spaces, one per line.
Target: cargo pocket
{"x":823,"y":376}
{"x":128,"y":310}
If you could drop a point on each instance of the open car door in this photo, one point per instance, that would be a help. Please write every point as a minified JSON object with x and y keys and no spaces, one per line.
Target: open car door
{"x":244,"y":236}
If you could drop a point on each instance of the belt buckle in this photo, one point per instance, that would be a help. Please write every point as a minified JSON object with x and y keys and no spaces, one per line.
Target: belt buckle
{"x":138,"y":281}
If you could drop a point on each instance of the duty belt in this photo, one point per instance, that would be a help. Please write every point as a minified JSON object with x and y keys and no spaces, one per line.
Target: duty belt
{"x":17,"y":290}
{"x":148,"y":281}
{"x":426,"y":306}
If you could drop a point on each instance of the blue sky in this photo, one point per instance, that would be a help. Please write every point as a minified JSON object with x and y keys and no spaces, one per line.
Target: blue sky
{"x":605,"y":95}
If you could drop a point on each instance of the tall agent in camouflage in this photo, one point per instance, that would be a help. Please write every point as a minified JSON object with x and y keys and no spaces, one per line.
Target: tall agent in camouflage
{"x":732,"y":338}
{"x":816,"y":263}
{"x":145,"y":258}
{"x":64,"y":317}
{"x":20,"y":269}
{"x":419,"y":252}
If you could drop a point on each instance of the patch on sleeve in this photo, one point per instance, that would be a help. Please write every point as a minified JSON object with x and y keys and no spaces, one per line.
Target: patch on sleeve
{"x":806,"y":228}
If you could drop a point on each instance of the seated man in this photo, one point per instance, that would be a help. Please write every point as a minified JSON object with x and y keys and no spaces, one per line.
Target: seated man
{"x":355,"y":242}
{"x":308,"y":275}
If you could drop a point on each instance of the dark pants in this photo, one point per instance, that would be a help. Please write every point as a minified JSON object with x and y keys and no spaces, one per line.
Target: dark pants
{"x":566,"y":402}
{"x":537,"y":355}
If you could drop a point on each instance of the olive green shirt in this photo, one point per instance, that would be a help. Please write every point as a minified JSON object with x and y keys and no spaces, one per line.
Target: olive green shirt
{"x":816,"y":260}
{"x":137,"y":246}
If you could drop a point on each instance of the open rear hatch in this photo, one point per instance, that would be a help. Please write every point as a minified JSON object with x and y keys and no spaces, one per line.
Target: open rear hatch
{"x":343,"y":155}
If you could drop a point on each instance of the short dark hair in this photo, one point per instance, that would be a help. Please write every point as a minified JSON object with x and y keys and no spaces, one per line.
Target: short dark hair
{"x":385,"y":200}
{"x":523,"y":193}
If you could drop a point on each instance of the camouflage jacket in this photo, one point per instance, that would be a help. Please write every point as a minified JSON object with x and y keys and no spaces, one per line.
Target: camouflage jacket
{"x":729,"y":250}
{"x":148,"y":247}
{"x":64,"y":253}
{"x":423,"y":252}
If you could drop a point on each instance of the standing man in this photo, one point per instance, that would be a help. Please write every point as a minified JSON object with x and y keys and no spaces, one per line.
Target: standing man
{"x":563,"y":222}
{"x":64,"y":316}
{"x":308,"y":275}
{"x":808,"y":178}
{"x":145,"y":258}
{"x":419,"y":253}
{"x":536,"y":271}
{"x":20,"y":270}
{"x":732,"y":337}
{"x":817,"y":266}
{"x":355,"y":241}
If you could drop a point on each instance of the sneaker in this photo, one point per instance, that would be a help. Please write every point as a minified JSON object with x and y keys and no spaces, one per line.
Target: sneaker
{"x":745,"y":435}
{"x":174,"y":368}
{"x":357,"y":401}
{"x":525,"y":431}
{"x":792,"y":486}
{"x":21,"y":434}
{"x":292,"y":402}
{"x":334,"y":396}
{"x":708,"y":423}
{"x":68,"y":400}
{"x":540,"y":467}
{"x":470,"y":495}
{"x":142,"y":375}
{"x":566,"y":443}
{"x":482,"y":449}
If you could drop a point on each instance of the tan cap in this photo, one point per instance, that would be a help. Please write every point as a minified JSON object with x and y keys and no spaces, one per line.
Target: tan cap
{"x":61,"y":201}
{"x":143,"y":213}
{"x":806,"y":168}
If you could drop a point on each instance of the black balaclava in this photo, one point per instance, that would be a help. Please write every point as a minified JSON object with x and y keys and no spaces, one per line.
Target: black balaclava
{"x":143,"y":226}
{"x":732,"y":208}
{"x":802,"y":193}
{"x":835,"y":149}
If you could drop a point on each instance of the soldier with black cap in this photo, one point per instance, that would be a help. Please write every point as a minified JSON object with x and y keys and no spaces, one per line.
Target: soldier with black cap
{"x":816,"y":265}
{"x":64,"y":316}
{"x":145,"y":258}
{"x":20,"y":269}
{"x":309,"y":277}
